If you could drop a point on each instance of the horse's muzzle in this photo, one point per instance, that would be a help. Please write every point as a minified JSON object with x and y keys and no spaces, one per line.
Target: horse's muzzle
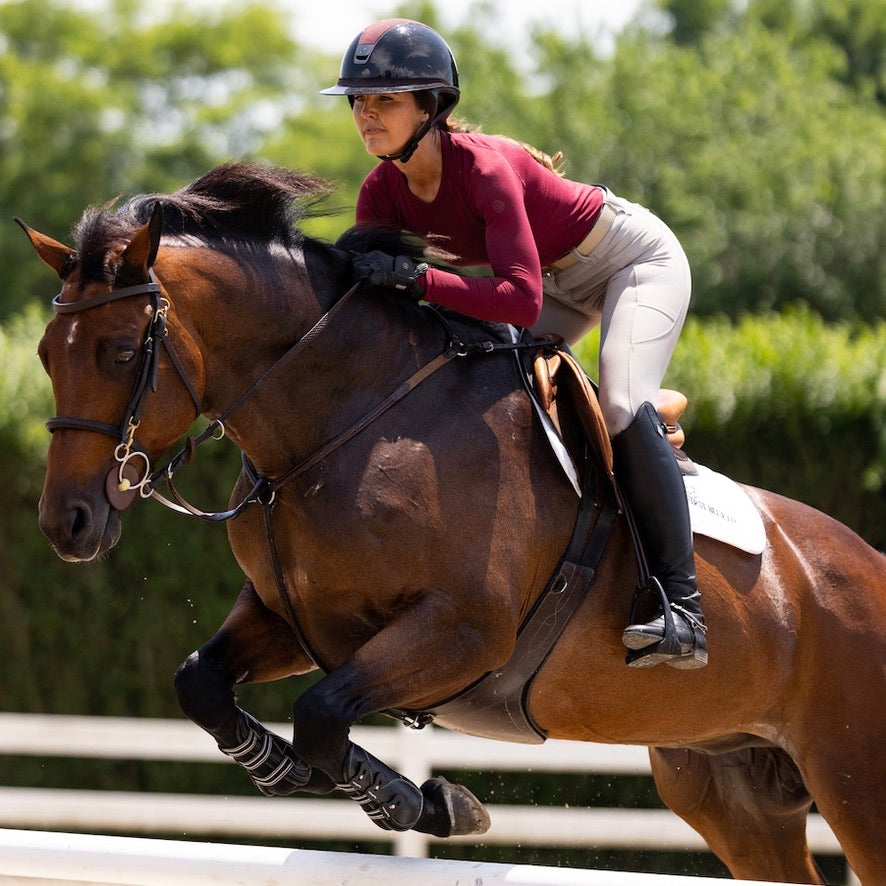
{"x":78,"y":526}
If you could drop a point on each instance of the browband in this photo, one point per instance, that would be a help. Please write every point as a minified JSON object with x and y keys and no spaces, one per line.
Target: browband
{"x":61,"y":307}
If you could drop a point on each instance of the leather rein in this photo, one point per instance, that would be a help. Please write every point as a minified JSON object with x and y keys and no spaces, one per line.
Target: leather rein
{"x":125,"y":479}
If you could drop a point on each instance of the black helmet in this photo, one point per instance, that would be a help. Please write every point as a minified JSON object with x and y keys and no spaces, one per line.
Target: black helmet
{"x":400,"y":55}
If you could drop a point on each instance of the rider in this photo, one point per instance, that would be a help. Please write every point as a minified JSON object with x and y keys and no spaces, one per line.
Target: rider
{"x":564,"y":256}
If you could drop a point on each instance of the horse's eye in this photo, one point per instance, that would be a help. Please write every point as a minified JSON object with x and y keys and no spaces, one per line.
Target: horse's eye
{"x":124,"y":356}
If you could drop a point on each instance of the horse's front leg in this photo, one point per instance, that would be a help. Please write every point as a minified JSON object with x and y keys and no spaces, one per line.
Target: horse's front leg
{"x":253,"y":645}
{"x":401,"y":665}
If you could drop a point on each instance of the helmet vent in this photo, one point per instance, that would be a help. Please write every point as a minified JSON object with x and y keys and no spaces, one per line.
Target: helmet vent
{"x":362,"y":53}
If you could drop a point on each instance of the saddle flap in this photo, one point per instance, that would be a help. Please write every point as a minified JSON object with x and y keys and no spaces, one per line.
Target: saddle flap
{"x":552,"y":369}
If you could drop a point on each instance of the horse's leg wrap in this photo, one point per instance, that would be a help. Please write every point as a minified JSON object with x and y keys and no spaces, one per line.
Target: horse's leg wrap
{"x":392,"y":801}
{"x":270,"y":760}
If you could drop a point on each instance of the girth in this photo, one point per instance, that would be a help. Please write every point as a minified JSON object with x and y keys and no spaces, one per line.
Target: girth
{"x":496,"y":706}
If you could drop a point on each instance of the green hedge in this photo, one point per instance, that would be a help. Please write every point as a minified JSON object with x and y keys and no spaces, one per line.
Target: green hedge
{"x":784,"y":402}
{"x":788,"y":403}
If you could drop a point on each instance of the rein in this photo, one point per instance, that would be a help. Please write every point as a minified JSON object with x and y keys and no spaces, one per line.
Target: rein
{"x":124,"y":480}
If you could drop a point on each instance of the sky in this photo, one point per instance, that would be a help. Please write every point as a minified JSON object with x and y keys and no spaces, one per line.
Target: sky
{"x":331,"y":27}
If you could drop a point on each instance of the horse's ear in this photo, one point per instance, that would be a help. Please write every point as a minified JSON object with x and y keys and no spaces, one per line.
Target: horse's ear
{"x":140,"y":254}
{"x":59,"y":257}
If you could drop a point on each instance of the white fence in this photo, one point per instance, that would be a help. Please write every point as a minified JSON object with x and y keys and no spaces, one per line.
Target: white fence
{"x":416,"y":754}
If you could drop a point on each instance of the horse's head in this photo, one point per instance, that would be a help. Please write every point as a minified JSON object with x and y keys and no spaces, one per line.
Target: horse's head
{"x":122,"y":393}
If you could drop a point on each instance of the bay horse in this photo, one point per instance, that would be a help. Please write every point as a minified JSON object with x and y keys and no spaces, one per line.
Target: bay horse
{"x":400,"y":548}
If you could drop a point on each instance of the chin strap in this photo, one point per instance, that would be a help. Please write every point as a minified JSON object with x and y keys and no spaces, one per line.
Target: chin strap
{"x":412,"y":145}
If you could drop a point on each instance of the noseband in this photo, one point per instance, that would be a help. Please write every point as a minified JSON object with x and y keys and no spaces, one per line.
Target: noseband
{"x":125,"y":479}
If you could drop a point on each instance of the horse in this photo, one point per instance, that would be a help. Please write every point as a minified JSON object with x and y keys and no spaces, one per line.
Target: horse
{"x":398,"y":514}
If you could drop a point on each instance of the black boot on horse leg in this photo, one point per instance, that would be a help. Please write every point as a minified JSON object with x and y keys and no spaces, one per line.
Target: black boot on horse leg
{"x":650,"y":480}
{"x":395,"y":803}
{"x":274,"y":767}
{"x":323,"y":715}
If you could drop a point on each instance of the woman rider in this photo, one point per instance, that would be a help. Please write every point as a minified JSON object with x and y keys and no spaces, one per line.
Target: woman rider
{"x":564,"y":256}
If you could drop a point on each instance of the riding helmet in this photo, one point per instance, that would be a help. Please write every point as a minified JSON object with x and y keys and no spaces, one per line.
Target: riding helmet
{"x":400,"y":55}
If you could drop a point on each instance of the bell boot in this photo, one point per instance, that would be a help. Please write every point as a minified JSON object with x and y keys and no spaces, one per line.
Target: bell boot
{"x":650,"y":480}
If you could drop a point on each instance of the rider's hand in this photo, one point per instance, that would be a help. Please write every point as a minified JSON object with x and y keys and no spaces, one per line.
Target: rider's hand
{"x":400,"y":272}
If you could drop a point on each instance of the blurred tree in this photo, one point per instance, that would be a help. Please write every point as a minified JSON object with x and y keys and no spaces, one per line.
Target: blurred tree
{"x":856,"y":28}
{"x":761,"y":138}
{"x":97,"y":104}
{"x":693,"y":19}
{"x":769,"y":169}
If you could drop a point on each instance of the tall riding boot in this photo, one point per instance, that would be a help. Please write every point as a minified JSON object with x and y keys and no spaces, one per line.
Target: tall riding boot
{"x":650,"y":480}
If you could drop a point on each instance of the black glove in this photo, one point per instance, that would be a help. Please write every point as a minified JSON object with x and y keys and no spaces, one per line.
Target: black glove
{"x":400,"y":273}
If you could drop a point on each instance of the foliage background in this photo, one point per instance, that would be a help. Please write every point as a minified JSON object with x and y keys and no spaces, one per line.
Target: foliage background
{"x":756,"y":130}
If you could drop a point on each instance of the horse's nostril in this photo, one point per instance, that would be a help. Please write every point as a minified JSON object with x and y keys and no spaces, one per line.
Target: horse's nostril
{"x":79,"y":521}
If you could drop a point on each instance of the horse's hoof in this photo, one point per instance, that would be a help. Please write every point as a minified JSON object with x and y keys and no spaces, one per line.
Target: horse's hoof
{"x":450,"y":810}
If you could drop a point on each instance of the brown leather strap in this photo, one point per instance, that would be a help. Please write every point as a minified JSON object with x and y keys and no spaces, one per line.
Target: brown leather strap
{"x":331,"y":445}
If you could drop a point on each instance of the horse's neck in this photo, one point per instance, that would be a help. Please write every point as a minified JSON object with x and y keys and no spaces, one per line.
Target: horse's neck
{"x":249,"y":323}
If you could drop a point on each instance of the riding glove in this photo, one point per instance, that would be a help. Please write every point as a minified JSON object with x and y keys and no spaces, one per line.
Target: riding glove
{"x":401,"y":272}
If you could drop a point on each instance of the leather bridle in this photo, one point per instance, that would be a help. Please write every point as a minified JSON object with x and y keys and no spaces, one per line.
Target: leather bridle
{"x":125,"y":478}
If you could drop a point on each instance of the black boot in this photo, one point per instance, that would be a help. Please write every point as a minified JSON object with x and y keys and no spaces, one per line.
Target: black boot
{"x":650,"y":479}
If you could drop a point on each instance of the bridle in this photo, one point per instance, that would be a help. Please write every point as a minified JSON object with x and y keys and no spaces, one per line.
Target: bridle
{"x":125,"y":480}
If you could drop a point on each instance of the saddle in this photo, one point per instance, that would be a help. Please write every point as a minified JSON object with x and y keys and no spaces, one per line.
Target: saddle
{"x":557,"y":373}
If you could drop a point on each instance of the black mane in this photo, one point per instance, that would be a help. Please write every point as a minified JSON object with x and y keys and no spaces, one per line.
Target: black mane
{"x":235,"y":202}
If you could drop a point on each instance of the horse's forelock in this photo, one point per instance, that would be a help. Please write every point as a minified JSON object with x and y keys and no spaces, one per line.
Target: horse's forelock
{"x":98,"y":237}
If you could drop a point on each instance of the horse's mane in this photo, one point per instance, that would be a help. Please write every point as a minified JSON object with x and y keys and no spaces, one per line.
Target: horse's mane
{"x":233,"y":203}
{"x":368,"y":237}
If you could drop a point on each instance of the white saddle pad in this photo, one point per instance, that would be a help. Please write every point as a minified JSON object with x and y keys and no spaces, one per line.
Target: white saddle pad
{"x":719,"y":508}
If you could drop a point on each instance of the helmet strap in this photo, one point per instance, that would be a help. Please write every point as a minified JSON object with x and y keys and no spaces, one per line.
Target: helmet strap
{"x":411,"y":146}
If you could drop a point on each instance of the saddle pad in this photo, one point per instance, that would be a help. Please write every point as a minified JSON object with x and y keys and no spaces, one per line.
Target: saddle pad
{"x":719,"y":508}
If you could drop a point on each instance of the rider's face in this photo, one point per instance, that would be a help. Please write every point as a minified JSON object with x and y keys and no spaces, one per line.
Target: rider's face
{"x":387,"y":121}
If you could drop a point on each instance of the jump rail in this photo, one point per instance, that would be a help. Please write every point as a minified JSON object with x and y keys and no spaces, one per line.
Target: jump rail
{"x":417,"y":754}
{"x":81,"y":859}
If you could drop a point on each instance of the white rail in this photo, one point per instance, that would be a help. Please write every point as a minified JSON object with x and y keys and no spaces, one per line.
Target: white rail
{"x":417,"y":754}
{"x":88,"y":860}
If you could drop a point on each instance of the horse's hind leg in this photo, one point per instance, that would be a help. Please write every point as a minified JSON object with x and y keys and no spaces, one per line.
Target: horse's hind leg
{"x":253,"y":645}
{"x":750,"y":806}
